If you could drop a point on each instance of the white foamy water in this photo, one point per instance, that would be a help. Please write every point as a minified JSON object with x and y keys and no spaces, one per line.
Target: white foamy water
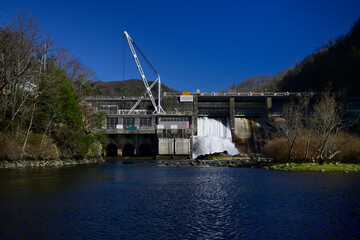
{"x":213,"y":136}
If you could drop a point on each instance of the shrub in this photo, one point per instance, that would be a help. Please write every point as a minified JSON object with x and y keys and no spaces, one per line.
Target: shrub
{"x":10,"y":149}
{"x":347,"y":150}
{"x":350,"y":152}
{"x":278,"y":149}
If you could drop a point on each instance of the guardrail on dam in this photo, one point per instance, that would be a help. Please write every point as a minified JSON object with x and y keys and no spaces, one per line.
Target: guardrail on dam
{"x":143,"y":133}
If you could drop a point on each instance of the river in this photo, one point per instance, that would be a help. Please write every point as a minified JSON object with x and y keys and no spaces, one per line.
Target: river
{"x":147,"y":201}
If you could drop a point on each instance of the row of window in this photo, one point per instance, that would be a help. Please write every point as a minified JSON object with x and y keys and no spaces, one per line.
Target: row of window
{"x":108,"y":109}
{"x":249,"y":103}
{"x":174,"y":119}
{"x":127,"y":122}
{"x":112,"y":122}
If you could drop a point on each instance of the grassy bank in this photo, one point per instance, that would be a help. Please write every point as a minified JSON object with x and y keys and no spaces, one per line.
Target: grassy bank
{"x":313,"y":167}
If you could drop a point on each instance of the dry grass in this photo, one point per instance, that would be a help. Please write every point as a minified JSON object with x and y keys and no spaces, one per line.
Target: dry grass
{"x":278,"y":149}
{"x":349,"y":152}
{"x":11,"y":148}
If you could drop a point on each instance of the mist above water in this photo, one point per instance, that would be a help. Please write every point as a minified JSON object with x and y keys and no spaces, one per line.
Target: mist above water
{"x":214,"y":135}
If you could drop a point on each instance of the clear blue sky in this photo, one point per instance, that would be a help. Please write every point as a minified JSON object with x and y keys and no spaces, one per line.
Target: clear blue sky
{"x":193,"y":44}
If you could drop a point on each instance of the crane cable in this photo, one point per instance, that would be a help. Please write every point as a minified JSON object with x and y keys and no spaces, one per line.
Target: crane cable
{"x":148,"y":62}
{"x":123,"y":50}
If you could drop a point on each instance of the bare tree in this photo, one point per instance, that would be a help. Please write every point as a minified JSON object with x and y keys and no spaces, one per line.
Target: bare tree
{"x":41,"y":76}
{"x":22,"y":69}
{"x":304,"y":103}
{"x":18,"y":62}
{"x":328,"y":123}
{"x":78,"y":73}
{"x":290,"y":126}
{"x":31,"y":87}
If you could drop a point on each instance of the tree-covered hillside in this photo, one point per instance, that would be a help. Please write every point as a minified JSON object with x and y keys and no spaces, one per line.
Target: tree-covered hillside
{"x":337,"y":64}
{"x":42,"y":115}
{"x":132,"y":87}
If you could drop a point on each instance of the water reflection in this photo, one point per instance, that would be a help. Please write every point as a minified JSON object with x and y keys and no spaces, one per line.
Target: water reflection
{"x":213,"y":204}
{"x":143,"y":201}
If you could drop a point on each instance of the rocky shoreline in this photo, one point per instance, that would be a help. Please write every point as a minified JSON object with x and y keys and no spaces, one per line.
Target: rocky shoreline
{"x":222,"y":159}
{"x":48,"y":163}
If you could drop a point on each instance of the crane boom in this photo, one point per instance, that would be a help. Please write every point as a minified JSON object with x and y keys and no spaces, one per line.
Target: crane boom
{"x":158,"y":108}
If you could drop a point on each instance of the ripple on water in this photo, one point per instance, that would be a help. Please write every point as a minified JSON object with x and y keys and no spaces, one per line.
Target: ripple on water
{"x":142,"y":202}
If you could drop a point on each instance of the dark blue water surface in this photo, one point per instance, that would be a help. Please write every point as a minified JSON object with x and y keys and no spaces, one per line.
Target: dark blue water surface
{"x":143,"y":201}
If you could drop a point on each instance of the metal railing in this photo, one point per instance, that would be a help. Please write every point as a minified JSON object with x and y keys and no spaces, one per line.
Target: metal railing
{"x":257,"y":94}
{"x":130,"y":128}
{"x":135,"y":112}
{"x":230,"y":93}
{"x":87,"y":98}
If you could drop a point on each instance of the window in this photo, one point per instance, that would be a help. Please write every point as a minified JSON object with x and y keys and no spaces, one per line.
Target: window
{"x":174,"y":119}
{"x":111,"y":123}
{"x":108,"y":109}
{"x":145,"y":122}
{"x":129,"y":122}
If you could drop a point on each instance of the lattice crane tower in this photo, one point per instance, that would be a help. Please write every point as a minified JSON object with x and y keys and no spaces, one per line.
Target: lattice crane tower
{"x":158,"y":108}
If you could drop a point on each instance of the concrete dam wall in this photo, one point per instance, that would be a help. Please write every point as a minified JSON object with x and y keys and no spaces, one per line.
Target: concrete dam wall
{"x":250,"y":134}
{"x":192,"y":125}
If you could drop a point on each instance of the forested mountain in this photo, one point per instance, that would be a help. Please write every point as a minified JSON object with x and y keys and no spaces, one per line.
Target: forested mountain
{"x":131,"y":87}
{"x":260,"y":83}
{"x":336,"y":64}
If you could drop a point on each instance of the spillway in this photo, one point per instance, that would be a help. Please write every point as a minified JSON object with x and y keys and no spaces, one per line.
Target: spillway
{"x":249,"y":134}
{"x":213,"y":135}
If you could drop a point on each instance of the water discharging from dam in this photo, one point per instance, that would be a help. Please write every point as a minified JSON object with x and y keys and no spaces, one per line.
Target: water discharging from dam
{"x":213,"y":135}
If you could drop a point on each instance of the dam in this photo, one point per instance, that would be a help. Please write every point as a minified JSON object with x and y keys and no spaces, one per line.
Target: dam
{"x":186,"y":124}
{"x":191,"y":124}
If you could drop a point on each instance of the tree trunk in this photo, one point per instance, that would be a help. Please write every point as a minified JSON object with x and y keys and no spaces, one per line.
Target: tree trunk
{"x":307,"y":145}
{"x":48,"y":126}
{"x":30,"y":125}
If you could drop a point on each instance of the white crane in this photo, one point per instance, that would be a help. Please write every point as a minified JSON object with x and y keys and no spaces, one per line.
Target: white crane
{"x":158,"y":108}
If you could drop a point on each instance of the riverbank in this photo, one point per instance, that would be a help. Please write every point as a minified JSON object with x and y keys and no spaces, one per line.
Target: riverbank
{"x":313,"y":167}
{"x":222,"y":159}
{"x":267,"y":163}
{"x":48,"y":163}
{"x":245,"y":161}
{"x":259,"y":161}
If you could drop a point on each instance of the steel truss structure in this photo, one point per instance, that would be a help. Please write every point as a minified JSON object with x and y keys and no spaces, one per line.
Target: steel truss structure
{"x":158,"y":108}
